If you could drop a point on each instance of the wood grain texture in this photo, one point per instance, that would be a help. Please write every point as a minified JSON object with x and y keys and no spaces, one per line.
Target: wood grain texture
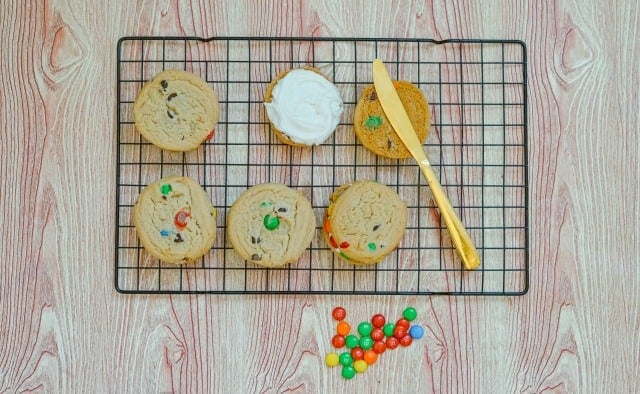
{"x":63,"y":327}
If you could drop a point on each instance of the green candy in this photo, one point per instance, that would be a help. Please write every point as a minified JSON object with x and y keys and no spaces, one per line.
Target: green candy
{"x":351,"y":341}
{"x":365,"y":328}
{"x":410,"y":313}
{"x":388,"y":329}
{"x":165,"y":189}
{"x":348,"y":372}
{"x":366,"y":343}
{"x":371,"y":246}
{"x":271,"y":222}
{"x":373,"y":122}
{"x":345,"y":359}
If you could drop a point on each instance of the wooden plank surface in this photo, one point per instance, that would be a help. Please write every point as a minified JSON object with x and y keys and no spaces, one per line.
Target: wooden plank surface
{"x":63,"y":327}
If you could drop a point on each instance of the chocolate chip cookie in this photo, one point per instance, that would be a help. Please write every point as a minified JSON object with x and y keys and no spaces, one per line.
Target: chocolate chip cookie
{"x":176,"y":110}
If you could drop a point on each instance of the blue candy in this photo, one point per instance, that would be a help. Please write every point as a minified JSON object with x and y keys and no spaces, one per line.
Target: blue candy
{"x":416,"y":332}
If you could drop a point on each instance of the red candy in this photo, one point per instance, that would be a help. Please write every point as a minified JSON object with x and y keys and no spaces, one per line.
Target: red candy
{"x":180,"y":220}
{"x":377,"y":334}
{"x":404,"y":323}
{"x":339,"y":313}
{"x":400,"y":331}
{"x":406,"y":340}
{"x":357,"y":353}
{"x":378,"y":320}
{"x":379,"y":347}
{"x":210,"y":135}
{"x":338,"y":341}
{"x":344,"y":245}
{"x":392,"y":343}
{"x":333,"y":242}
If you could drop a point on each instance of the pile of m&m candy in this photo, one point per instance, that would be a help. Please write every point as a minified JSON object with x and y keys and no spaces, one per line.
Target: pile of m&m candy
{"x":369,"y":340}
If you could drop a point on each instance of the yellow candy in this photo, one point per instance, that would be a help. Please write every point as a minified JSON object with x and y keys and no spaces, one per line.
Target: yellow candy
{"x":360,"y":366}
{"x":331,"y":359}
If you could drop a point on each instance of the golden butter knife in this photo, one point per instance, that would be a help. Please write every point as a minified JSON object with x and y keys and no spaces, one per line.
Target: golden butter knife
{"x":399,"y":119}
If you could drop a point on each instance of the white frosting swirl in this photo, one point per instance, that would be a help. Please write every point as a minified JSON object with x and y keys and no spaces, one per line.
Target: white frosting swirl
{"x":305,"y":106}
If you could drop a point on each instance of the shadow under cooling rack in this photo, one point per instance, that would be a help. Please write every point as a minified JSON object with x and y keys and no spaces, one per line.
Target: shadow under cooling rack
{"x":477,"y":91}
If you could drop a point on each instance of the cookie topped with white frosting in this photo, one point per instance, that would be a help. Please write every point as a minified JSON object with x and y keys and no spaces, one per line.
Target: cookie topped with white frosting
{"x":303,"y":106}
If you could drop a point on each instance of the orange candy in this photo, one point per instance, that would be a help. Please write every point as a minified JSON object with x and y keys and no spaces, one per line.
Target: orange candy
{"x":343,"y":328}
{"x":327,"y":226}
{"x":370,"y":357}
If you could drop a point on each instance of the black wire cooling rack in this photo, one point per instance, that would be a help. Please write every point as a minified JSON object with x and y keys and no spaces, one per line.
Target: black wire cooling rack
{"x":477,"y":90}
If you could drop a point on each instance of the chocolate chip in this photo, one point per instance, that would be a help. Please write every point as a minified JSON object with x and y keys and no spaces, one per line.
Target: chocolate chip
{"x":164,"y":84}
{"x":376,"y":227}
{"x":255,"y":240}
{"x":178,"y":238}
{"x":256,"y":257}
{"x":283,"y":209}
{"x":164,"y":197}
{"x":389,"y":144}
{"x":172,"y":95}
{"x":373,"y":96}
{"x":169,"y":114}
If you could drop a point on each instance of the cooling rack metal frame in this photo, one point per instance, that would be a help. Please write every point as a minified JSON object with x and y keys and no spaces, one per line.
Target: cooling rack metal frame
{"x":477,"y":91}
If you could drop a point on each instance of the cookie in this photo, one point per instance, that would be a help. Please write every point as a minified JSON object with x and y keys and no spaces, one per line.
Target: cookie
{"x":175,"y":220}
{"x":365,"y":221}
{"x":271,"y":224}
{"x":373,"y":128}
{"x":176,"y":111}
{"x":303,"y":107}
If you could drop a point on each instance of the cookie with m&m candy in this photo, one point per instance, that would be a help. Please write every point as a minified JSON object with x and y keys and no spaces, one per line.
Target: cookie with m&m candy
{"x":373,"y":128}
{"x":271,"y":224}
{"x":175,"y":220}
{"x":365,"y":221}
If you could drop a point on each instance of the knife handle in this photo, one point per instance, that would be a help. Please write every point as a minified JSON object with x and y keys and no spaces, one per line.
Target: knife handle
{"x":459,"y":235}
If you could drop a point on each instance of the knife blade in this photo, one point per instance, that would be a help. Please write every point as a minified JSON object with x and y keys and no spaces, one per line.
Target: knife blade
{"x":397,"y":115}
